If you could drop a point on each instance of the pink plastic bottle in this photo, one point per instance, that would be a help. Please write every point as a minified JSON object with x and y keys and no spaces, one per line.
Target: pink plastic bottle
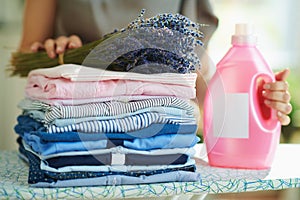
{"x":239,"y":130}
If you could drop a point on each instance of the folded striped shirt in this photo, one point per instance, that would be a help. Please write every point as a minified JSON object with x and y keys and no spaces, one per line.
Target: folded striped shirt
{"x":122,"y":125}
{"x":66,"y":102}
{"x":30,"y":126}
{"x":40,"y":115}
{"x":109,"y":108}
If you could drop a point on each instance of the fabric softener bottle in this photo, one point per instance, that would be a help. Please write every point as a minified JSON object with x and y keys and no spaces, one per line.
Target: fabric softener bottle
{"x":240,"y":131}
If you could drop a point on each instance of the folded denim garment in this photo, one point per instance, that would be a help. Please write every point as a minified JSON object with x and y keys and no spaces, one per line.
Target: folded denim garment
{"x":42,"y":178}
{"x":111,"y":180}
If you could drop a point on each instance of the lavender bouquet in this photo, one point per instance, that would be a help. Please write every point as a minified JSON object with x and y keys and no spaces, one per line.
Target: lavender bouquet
{"x":163,"y":43}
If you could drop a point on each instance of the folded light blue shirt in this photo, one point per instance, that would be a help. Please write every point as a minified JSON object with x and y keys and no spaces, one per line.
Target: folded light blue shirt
{"x":167,"y":141}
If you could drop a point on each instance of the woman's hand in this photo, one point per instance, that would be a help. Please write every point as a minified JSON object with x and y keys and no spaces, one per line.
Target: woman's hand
{"x":278,"y":97}
{"x":57,"y":46}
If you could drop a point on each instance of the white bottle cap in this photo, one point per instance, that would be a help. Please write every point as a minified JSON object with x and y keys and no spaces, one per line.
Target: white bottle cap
{"x":244,"y":34}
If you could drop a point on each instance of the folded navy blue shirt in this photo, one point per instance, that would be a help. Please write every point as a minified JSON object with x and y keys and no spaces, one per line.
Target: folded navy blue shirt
{"x":106,"y":159}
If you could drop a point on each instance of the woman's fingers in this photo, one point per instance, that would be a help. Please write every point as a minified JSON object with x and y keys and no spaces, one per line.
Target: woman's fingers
{"x":278,"y":85}
{"x":61,"y":44}
{"x":282,"y":75}
{"x":50,"y":48}
{"x":74,"y":42}
{"x":282,"y":96}
{"x":278,"y":97}
{"x":284,"y":108}
{"x":58,"y":45}
{"x":284,"y":119}
{"x":36,"y":46}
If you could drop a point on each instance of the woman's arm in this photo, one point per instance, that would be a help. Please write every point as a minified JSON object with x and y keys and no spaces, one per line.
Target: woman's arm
{"x":38,"y":29}
{"x":201,"y":87}
{"x":38,"y":23}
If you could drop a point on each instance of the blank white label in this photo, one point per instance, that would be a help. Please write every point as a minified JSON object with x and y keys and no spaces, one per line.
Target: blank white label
{"x":231,"y":121}
{"x":117,"y":159}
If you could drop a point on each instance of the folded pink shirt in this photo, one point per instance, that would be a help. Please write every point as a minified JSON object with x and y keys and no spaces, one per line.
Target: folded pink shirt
{"x":40,"y":87}
{"x":70,"y":81}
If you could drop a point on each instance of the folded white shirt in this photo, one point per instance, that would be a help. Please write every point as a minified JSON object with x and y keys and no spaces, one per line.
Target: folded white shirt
{"x":76,"y":73}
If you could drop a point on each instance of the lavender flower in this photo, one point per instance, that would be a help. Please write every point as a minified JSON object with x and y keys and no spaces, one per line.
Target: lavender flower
{"x":165,"y":40}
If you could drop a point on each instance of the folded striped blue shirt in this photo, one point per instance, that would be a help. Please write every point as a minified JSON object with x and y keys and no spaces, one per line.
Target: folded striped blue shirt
{"x":109,"y":108}
{"x":28,"y":125}
{"x":176,"y":112}
{"x":122,"y":125}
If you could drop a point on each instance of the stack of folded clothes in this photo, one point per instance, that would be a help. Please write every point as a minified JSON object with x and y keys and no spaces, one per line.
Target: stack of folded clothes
{"x":129,"y":129}
{"x":87,"y":126}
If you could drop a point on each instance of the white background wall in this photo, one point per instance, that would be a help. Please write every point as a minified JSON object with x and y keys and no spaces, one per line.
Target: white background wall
{"x":277,"y":26}
{"x":11,"y":89}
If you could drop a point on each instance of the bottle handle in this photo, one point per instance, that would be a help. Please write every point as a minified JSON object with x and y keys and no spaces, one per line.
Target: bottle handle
{"x":265,"y":116}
